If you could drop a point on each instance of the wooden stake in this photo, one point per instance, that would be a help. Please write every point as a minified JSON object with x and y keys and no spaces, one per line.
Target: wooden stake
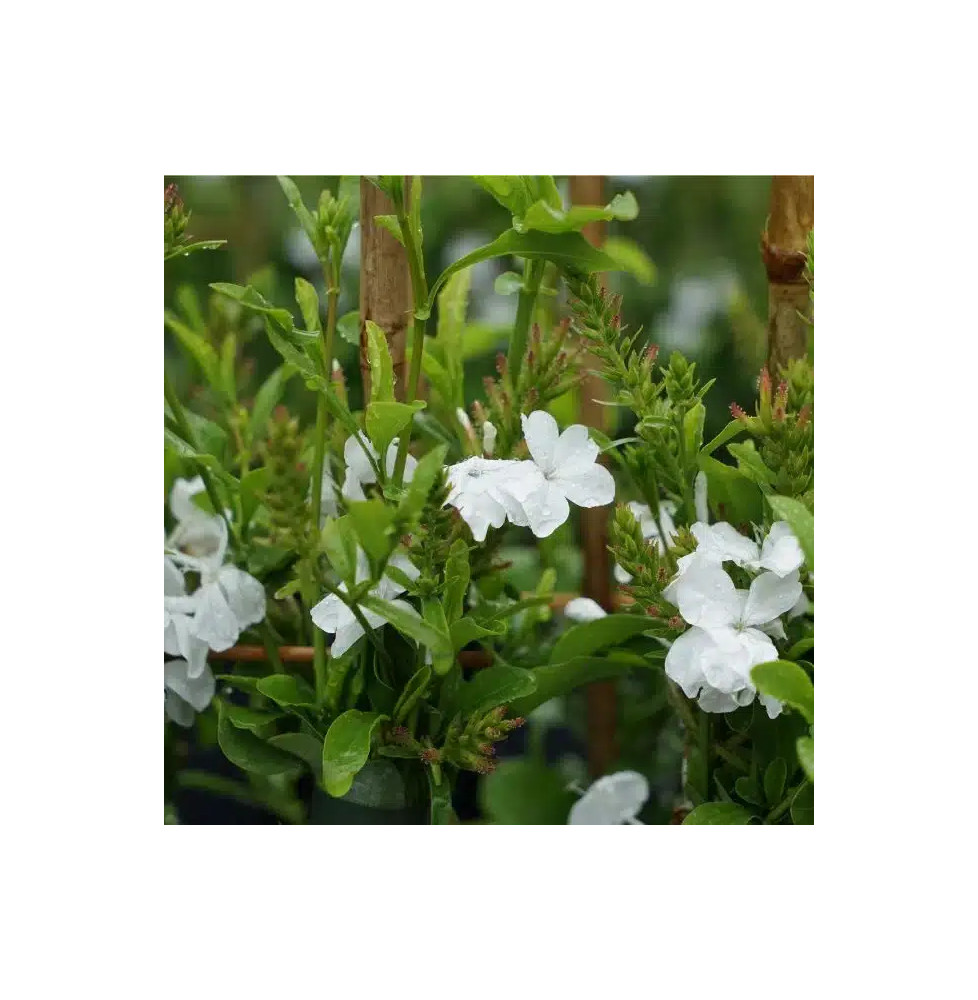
{"x":602,"y":697}
{"x":385,"y":286}
{"x":783,"y":247}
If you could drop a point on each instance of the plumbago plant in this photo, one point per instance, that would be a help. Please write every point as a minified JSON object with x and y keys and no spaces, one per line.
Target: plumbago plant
{"x":372,"y":535}
{"x":718,"y":558}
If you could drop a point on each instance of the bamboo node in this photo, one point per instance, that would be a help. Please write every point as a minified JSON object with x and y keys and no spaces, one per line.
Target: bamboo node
{"x":784,"y":267}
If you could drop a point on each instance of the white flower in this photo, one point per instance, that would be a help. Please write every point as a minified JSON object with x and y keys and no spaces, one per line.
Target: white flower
{"x":584,"y":609}
{"x":488,"y":438}
{"x":178,"y":607}
{"x":643,"y":514}
{"x":463,"y":421}
{"x":568,"y":464}
{"x":184,"y":692}
{"x":485,"y":491}
{"x":713,"y":659}
{"x":611,"y":800}
{"x":328,"y":505}
{"x":781,"y":552}
{"x":359,"y":470}
{"x":332,"y":615}
{"x":228,"y":599}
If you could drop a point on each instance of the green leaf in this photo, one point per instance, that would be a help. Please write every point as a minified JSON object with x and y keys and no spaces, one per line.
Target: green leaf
{"x":413,"y":692}
{"x":229,"y":354}
{"x":253,"y":485}
{"x":806,"y":756}
{"x":523,"y":792}
{"x":732,"y":498}
{"x":433,"y":612}
{"x":747,"y":789}
{"x":240,"y":681}
{"x":267,"y":398}
{"x":308,"y":299}
{"x":372,"y":520}
{"x":467,"y":630}
{"x":385,"y":420}
{"x":563,"y":249}
{"x":287,"y":690}
{"x":775,"y":776}
{"x":210,"y":462}
{"x":510,"y":191}
{"x":253,"y":719}
{"x":392,"y":225}
{"x":346,"y":749}
{"x":425,"y":474}
{"x":630,"y":257}
{"x":437,"y":374}
{"x":302,"y":213}
{"x":588,"y":637}
{"x":302,"y":745}
{"x":495,"y":685}
{"x":381,"y":366}
{"x":197,"y":347}
{"x":718,"y":814}
{"x":251,"y":299}
{"x":456,"y":579}
{"x":408,"y":622}
{"x":508,"y":283}
{"x":750,"y":463}
{"x":248,"y":751}
{"x":554,"y":679}
{"x":297,"y":357}
{"x":803,"y":806}
{"x":348,"y":327}
{"x":339,"y":542}
{"x":727,"y":434}
{"x":548,"y":218}
{"x":788,"y":683}
{"x":801,"y":521}
{"x":183,"y":249}
{"x":693,"y":422}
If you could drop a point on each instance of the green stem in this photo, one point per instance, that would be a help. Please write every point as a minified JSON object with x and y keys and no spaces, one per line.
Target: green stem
{"x":732,"y":758}
{"x":689,"y":508}
{"x":419,"y":292}
{"x":781,"y":808}
{"x":532,"y":277}
{"x":271,"y":648}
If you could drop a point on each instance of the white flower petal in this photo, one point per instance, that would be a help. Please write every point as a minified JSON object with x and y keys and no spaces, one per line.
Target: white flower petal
{"x":592,"y":486}
{"x":359,"y":470}
{"x":329,"y":613}
{"x":177,"y":710}
{"x":584,"y":609}
{"x":215,"y":623}
{"x":781,"y":552}
{"x":801,"y":607}
{"x":574,"y":451}
{"x":346,"y":635}
{"x":488,"y":439}
{"x":182,"y":506}
{"x":685,"y":657}
{"x":173,"y":582}
{"x":714,"y":701}
{"x":706,"y":596}
{"x":721,"y":542}
{"x":611,"y":800}
{"x":772,"y":705}
{"x":622,"y":576}
{"x":245,"y":595}
{"x":769,"y":597}
{"x":410,"y":463}
{"x":546,"y":509}
{"x":542,"y":435}
{"x":196,"y":691}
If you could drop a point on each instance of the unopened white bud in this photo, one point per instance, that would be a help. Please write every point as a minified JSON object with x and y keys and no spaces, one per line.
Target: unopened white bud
{"x":463,"y":419}
{"x":488,"y":439}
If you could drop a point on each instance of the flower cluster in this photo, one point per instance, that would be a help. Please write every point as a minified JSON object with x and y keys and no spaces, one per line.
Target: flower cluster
{"x":532,"y":492}
{"x":731,"y":627}
{"x":226,"y":601}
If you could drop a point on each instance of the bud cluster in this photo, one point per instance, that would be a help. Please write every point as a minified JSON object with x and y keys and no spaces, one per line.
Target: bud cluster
{"x":285,"y":496}
{"x":333,"y":221}
{"x":783,"y":427}
{"x":175,"y":219}
{"x":471,"y":745}
{"x":640,"y":557}
{"x":597,"y":321}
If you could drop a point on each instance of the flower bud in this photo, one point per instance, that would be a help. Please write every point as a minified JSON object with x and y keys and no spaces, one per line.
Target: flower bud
{"x":488,"y":438}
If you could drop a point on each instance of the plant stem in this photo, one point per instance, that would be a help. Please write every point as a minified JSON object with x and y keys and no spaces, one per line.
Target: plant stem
{"x":781,"y":808}
{"x":532,"y":277}
{"x":419,"y":291}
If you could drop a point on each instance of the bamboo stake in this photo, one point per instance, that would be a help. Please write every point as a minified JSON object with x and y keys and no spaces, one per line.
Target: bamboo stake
{"x":385,"y":285}
{"x":783,"y":246}
{"x":602,"y":697}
